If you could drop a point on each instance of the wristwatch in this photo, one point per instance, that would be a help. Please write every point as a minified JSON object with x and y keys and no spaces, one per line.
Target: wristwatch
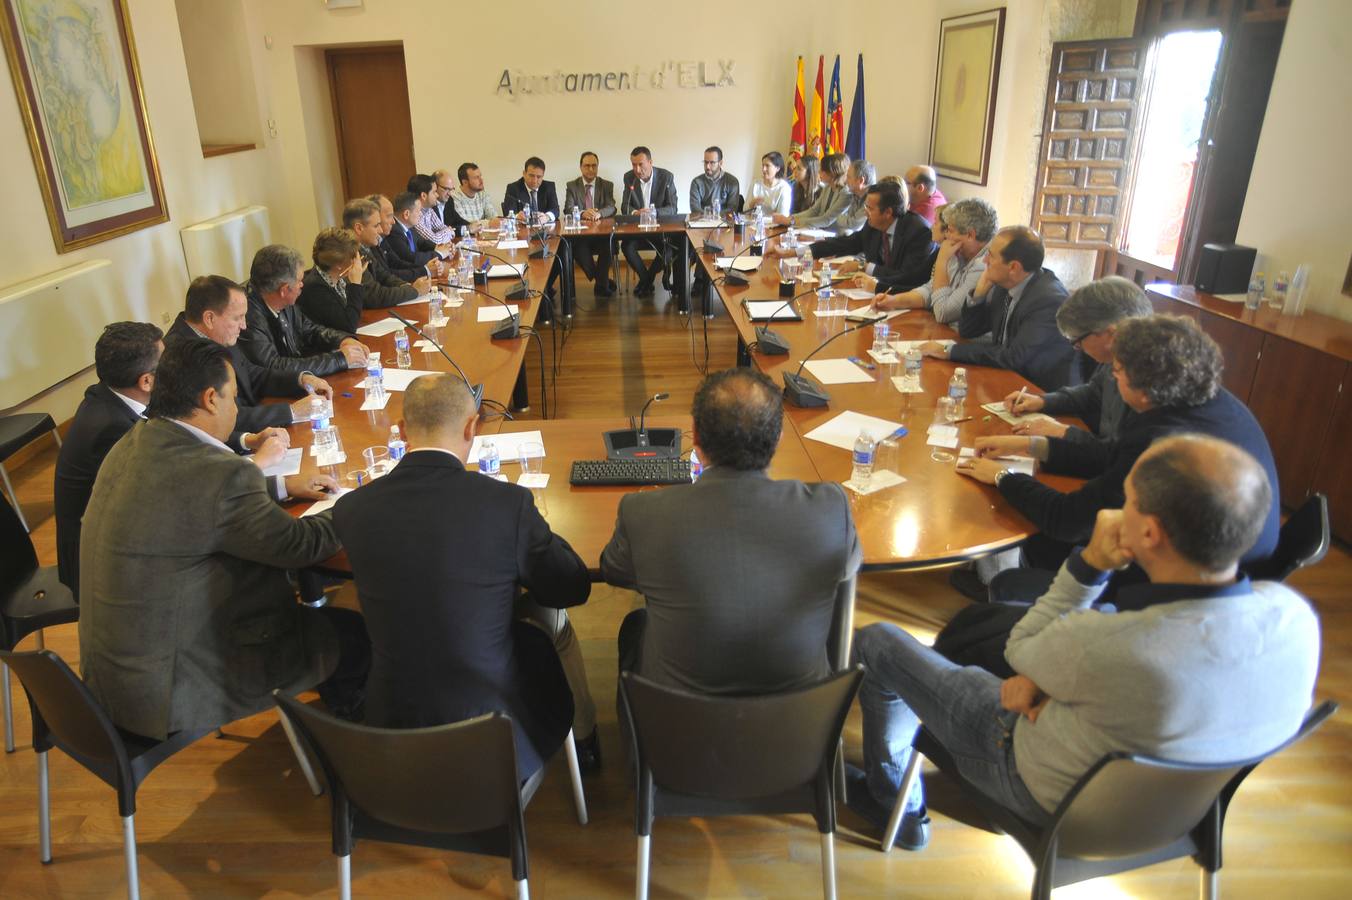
{"x":1000,"y":476}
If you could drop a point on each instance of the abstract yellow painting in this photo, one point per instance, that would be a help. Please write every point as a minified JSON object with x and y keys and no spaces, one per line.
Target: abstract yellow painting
{"x":75,"y":72}
{"x":964,"y":94}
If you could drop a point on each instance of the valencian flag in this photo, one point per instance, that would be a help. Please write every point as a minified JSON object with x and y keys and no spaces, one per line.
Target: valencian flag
{"x":835,"y":113}
{"x":798,"y":136}
{"x":854,"y":138}
{"x":816,"y":126}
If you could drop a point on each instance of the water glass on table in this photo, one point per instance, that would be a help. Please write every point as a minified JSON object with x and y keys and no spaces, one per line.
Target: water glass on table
{"x":944,"y":414}
{"x":377,"y":461}
{"x":532,"y":457}
{"x":355,"y":479}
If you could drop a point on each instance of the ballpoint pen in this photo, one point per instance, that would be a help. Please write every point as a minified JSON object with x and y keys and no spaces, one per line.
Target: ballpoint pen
{"x":1018,"y":399}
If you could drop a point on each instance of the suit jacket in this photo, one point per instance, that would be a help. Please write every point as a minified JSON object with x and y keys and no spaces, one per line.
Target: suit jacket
{"x":517,"y":198}
{"x":740,"y":575}
{"x":663,"y":193}
{"x":1031,"y":344}
{"x":381,"y":287}
{"x":99,"y":423}
{"x":289,"y":341}
{"x":187,"y":619}
{"x":324,"y":305}
{"x":254,"y":383}
{"x":437,"y":590}
{"x":908,"y":263}
{"x":603,"y":196}
{"x":395,"y":244}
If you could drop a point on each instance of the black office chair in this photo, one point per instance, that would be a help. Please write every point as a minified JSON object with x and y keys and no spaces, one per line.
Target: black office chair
{"x":66,"y":716}
{"x":1128,"y":811}
{"x":18,"y":431}
{"x":454,"y":787}
{"x":1303,"y":541}
{"x":711,"y":756}
{"x":31,"y":599}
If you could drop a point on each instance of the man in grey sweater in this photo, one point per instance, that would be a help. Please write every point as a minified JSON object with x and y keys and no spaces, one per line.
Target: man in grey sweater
{"x":1198,"y":665}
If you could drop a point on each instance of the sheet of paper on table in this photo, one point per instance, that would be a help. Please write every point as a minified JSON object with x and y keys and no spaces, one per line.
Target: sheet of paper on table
{"x":320,"y":506}
{"x":770,"y":309}
{"x":494,"y":313}
{"x":843,"y":430}
{"x":377,"y":401}
{"x":879,"y":480}
{"x":398,"y":379}
{"x":508,"y":444}
{"x":998,"y":409}
{"x":502,"y":270}
{"x":886,"y":359}
{"x":837,"y":371}
{"x":815,"y":233}
{"x":707,"y":223}
{"x":903,"y":346}
{"x":380,"y":328}
{"x":533,"y":479}
{"x":1013,"y":462}
{"x":907,"y":384}
{"x":742,"y":264}
{"x":859,"y":294}
{"x":289,"y":464}
{"x":512,"y":245}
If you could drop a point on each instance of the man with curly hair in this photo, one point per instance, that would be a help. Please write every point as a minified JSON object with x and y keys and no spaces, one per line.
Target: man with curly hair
{"x":739,"y":571}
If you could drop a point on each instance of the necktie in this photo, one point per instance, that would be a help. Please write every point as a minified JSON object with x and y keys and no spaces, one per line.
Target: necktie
{"x":887,"y":250}
{"x":1004,"y":322}
{"x":587,"y":199}
{"x":534,"y":206}
{"x":412,"y":245}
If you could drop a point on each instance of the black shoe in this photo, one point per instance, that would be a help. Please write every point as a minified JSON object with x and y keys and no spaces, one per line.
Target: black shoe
{"x":914,"y":832}
{"x":666,"y":280}
{"x":643,"y":289}
{"x":611,"y":286}
{"x":966,"y":582}
{"x":602,"y":293}
{"x":589,"y":753}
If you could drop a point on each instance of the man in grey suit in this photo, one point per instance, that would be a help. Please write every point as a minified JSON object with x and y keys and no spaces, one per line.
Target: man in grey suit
{"x":595,"y":197}
{"x":187,"y":618}
{"x":739,"y":572}
{"x":646,"y":185}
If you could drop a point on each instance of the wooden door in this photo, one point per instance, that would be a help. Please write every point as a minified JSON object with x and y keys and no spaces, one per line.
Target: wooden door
{"x":370,"y":111}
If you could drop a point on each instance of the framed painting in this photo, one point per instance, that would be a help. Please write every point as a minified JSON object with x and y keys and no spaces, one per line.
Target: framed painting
{"x":964,"y":94}
{"x":74,"y":68}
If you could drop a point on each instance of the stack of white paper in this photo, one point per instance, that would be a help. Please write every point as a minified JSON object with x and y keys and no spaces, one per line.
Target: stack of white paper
{"x":837,"y":371}
{"x":399,"y":379}
{"x":502,"y":270}
{"x":843,"y":430}
{"x":380,"y":328}
{"x":742,"y":264}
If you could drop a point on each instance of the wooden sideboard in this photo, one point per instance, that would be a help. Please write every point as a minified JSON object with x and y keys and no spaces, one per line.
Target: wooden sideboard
{"x":1295,"y":373}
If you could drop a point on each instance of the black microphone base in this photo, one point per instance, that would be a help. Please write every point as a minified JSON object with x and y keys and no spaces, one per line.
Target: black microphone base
{"x":786,"y":289}
{"x":712,"y":247}
{"x":802,"y":393}
{"x":651,"y":443}
{"x":737,"y":278}
{"x":520,"y":292}
{"x":509,"y":329}
{"x":481,"y":279}
{"x":542,"y":253}
{"x":769,"y":343}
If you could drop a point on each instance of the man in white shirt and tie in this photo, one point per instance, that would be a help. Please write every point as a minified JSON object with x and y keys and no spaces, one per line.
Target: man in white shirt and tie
{"x":595,"y":197}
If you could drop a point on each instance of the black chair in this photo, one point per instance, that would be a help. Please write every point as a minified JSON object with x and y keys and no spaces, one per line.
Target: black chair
{"x":66,"y":716}
{"x":454,"y":787}
{"x":1128,"y":811}
{"x":18,"y":431}
{"x":711,"y":756}
{"x":1303,"y":541}
{"x":31,"y":599}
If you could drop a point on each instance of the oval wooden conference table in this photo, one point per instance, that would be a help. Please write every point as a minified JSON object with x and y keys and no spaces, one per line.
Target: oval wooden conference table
{"x":935,"y":517}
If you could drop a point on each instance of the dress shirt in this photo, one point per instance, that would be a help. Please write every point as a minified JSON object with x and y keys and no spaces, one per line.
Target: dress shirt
{"x":476,"y":208}
{"x":646,"y":188}
{"x":589,"y":194}
{"x":534,"y":195}
{"x":947,"y":302}
{"x":1014,"y":294}
{"x":135,"y":406}
{"x":430,"y":226}
{"x":891,"y":246}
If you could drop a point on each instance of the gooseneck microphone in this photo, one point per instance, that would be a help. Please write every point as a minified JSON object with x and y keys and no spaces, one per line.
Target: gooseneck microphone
{"x":803,"y":393}
{"x":516,"y":293}
{"x":768,"y":342}
{"x":642,"y":431}
{"x":477,"y":390}
{"x":640,"y":443}
{"x":510,"y":327}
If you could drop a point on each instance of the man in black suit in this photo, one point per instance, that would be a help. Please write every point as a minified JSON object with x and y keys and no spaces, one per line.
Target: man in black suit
{"x":644,"y":186}
{"x":895,"y":244}
{"x":440,"y":592}
{"x":535,"y":202}
{"x":1015,"y":302}
{"x":362,"y":218}
{"x":595,"y":198}
{"x":405,"y":249}
{"x":124,"y":359}
{"x":279,"y":335}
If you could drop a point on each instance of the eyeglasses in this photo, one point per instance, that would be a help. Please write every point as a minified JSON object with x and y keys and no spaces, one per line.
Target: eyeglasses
{"x":1081,"y":339}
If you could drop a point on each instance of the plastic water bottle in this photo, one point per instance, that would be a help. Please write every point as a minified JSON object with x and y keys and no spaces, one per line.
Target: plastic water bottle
{"x":434,"y":306}
{"x":375,"y":374}
{"x":881,"y":333}
{"x":790,"y":237}
{"x":1279,"y":287}
{"x":824,"y":299}
{"x":577,"y":216}
{"x":1254,"y":298}
{"x":490,"y":461}
{"x":914,"y":359}
{"x":320,"y":433}
{"x":467,"y":240}
{"x":759,"y":234}
{"x":957,"y":389}
{"x":397,"y":445}
{"x":864,"y":448}
{"x":402,"y":357}
{"x":717,"y":207}
{"x":696,"y":467}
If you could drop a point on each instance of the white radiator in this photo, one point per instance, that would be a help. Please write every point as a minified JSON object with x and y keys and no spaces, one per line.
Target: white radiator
{"x":48,"y":326}
{"x":226,"y":244}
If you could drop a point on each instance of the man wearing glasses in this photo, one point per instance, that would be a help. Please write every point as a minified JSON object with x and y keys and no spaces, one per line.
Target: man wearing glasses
{"x":923,"y":183}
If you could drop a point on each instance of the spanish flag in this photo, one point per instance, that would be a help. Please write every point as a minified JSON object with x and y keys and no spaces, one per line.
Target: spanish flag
{"x":816,"y":126}
{"x":835,"y":113}
{"x":798,"y":134}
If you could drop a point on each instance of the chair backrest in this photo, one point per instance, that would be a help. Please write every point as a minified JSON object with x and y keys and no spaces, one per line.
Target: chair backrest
{"x":1303,"y":541}
{"x":18,"y":559}
{"x":64,"y":708}
{"x":737,"y":747}
{"x":448,"y":779}
{"x":1129,"y":804}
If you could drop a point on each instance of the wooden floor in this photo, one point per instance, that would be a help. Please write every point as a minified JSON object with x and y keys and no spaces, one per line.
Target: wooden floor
{"x":232,"y":817}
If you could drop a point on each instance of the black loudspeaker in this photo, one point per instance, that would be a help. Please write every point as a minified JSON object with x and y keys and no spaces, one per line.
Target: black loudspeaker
{"x":1225,"y":268}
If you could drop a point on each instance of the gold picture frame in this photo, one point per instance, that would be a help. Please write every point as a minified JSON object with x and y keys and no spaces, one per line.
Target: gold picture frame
{"x":966,"y":78}
{"x":75,"y":73}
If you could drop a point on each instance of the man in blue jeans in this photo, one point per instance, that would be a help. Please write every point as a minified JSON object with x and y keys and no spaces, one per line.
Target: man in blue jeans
{"x":1197,"y":665}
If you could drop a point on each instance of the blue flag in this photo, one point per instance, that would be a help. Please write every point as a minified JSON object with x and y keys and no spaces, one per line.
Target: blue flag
{"x":854,"y":138}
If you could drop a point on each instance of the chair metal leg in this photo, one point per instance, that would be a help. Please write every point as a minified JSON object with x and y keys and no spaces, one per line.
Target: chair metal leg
{"x":345,"y":877}
{"x":1211,"y":885}
{"x":829,"y":866}
{"x":44,"y":811}
{"x":899,"y":808}
{"x":56,"y":436}
{"x":9,"y":711}
{"x":644,"y":845}
{"x":575,"y":774}
{"x":9,"y":489}
{"x":40,"y":639}
{"x":522,"y":890}
{"x":129,"y":850}
{"x":302,"y":759}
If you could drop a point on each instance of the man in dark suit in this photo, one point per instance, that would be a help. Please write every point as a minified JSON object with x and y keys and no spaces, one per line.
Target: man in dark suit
{"x":441,"y":618}
{"x":595,"y":197}
{"x":125,"y":356}
{"x":362,"y":218}
{"x":279,"y":336}
{"x":1015,"y":302}
{"x":739,"y":573}
{"x":895,"y":244}
{"x":403,"y":247}
{"x":187,"y":618}
{"x":535,"y":202}
{"x":644,"y":186}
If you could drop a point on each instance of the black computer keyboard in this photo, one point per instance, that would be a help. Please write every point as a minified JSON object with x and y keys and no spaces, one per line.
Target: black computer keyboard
{"x":629,"y":471}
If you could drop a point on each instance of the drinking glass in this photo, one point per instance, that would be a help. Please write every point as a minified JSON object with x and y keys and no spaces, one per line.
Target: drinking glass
{"x":944,"y":414}
{"x":532,"y":457}
{"x":377,"y":461}
{"x":355,"y":479}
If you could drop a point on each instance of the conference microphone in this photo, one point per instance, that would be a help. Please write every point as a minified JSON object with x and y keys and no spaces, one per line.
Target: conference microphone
{"x":516,"y":293}
{"x":477,"y":390}
{"x":803,"y":393}
{"x":769,"y":343}
{"x":630,"y":443}
{"x":510,"y":327}
{"x":734,"y":277}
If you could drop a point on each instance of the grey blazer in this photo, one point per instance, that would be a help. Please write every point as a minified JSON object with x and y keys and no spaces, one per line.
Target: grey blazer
{"x":739,"y":573}
{"x":662,"y":196}
{"x":187,"y":619}
{"x":603,"y":196}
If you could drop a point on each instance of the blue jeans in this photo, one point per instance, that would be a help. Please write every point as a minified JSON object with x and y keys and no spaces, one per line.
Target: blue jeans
{"x":907,"y":683}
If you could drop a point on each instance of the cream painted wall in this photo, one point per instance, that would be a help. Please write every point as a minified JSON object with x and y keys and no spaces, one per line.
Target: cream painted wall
{"x":1298,"y":208}
{"x":220,"y":70}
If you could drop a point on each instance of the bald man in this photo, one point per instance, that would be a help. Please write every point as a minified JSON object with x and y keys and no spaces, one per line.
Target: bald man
{"x":1197,"y":665}
{"x":439,"y":554}
{"x":923,"y":183}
